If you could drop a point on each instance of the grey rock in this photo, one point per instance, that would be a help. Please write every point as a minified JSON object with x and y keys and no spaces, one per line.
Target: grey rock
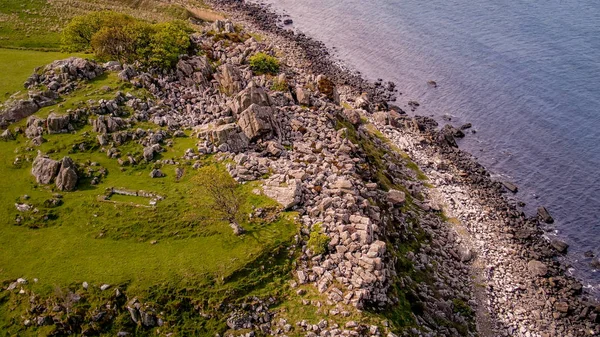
{"x":18,"y":110}
{"x":256,"y":121}
{"x":57,"y":124}
{"x":66,"y":180}
{"x":44,"y":169}
{"x":253,"y":94}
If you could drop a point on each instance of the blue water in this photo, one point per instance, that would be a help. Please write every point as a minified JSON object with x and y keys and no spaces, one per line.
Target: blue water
{"x":525,"y":73}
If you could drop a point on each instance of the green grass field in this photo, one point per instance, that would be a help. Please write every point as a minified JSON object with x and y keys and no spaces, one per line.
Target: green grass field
{"x":111,"y":241}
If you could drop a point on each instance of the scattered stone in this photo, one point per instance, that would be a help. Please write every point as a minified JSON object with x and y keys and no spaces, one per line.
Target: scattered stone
{"x":537,"y":268}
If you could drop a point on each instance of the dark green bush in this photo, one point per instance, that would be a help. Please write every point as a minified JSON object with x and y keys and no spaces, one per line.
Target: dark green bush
{"x":262,"y":63}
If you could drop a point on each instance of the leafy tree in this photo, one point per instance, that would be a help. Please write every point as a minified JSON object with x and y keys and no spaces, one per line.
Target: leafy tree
{"x":77,"y":35}
{"x":262,"y":63}
{"x":112,"y":42}
{"x":226,"y":199}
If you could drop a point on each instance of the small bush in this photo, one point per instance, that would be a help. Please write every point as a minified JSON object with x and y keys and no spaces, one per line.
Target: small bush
{"x":317,"y":242}
{"x":262,"y":63}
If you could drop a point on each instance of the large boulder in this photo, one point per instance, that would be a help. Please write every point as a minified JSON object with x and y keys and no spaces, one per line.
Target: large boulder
{"x":256,"y":121}
{"x":44,"y":169}
{"x":229,"y":135}
{"x":230,"y":79}
{"x":66,"y":180}
{"x":18,"y":110}
{"x":253,"y":94}
{"x":57,"y":123}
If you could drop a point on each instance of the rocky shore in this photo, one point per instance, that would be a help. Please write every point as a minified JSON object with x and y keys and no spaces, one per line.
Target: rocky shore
{"x":519,"y":287}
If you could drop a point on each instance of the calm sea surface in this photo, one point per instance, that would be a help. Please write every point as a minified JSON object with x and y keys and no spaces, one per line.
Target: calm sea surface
{"x":525,"y":73}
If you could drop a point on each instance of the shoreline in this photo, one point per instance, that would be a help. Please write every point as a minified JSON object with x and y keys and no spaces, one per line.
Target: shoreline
{"x":523,"y":235}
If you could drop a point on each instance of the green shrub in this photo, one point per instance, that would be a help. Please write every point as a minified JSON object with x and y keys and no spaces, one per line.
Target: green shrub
{"x":170,"y":40}
{"x":262,"y":63}
{"x":120,"y":37}
{"x":318,"y":241}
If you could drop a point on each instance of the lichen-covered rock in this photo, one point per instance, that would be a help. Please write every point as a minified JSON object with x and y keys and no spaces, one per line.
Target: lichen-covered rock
{"x":256,"y":121}
{"x":66,"y":180}
{"x":44,"y":169}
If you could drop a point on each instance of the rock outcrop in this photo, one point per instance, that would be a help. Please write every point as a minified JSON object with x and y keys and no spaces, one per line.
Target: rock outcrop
{"x":66,"y":180}
{"x":45,"y":169}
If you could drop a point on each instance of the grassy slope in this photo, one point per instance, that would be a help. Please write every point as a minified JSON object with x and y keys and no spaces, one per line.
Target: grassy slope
{"x":100,"y":242}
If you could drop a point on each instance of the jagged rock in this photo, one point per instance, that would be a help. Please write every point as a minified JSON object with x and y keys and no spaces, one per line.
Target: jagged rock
{"x":127,"y":73}
{"x":149,"y":152}
{"x":253,"y":94}
{"x":256,"y":121}
{"x":446,"y":136}
{"x":230,"y":135}
{"x":57,"y":124}
{"x":537,"y":268}
{"x":44,"y":169}
{"x":67,"y":176}
{"x":287,"y":193}
{"x":230,"y":79}
{"x":396,"y":197}
{"x":18,"y":110}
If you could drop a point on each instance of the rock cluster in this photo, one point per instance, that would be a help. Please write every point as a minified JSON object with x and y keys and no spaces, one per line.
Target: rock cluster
{"x":63,"y":172}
